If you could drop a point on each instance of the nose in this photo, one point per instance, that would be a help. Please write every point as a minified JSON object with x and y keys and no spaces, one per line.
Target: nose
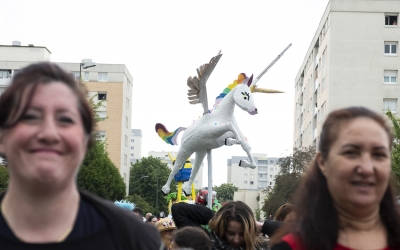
{"x":48,"y":131}
{"x":366,"y":166}
{"x":236,"y":239}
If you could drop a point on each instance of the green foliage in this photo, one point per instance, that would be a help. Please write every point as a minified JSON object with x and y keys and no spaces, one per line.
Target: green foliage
{"x":173,"y":196}
{"x":140,"y":202}
{"x":156,"y":172}
{"x":395,"y":149}
{"x":258,"y":214}
{"x":99,"y":175}
{"x":3,"y":178}
{"x":225,"y":191}
{"x":286,"y":183}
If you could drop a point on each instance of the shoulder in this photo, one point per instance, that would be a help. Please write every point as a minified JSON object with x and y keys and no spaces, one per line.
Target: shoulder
{"x":289,"y":242}
{"x":128,"y":229}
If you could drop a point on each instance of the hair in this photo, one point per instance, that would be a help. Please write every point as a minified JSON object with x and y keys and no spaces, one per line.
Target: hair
{"x":283,"y":211}
{"x":151,"y":218}
{"x":138,"y":210}
{"x":317,"y":224}
{"x":192,"y":238}
{"x":240,"y":212}
{"x":17,"y":97}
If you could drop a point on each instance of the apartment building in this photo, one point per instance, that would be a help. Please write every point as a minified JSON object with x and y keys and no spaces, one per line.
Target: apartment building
{"x":136,"y":145}
{"x":110,"y":84}
{"x":352,"y":60}
{"x":164,"y":158}
{"x":253,"y":179}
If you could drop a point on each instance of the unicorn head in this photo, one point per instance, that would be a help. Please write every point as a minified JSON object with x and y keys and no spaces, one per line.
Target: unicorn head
{"x":243,"y":97}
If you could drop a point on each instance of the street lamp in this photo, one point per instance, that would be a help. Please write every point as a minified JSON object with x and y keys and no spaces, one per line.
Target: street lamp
{"x":133,"y":189}
{"x":85,"y":64}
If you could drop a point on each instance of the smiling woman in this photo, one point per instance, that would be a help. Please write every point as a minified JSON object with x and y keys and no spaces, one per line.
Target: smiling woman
{"x":46,"y":127}
{"x":345,"y":201}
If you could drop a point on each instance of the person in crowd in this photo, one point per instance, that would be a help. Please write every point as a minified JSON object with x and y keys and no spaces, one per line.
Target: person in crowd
{"x":285,"y":213}
{"x":345,"y":200}
{"x":148,"y":215}
{"x":138,"y":212}
{"x":232,"y":227}
{"x":152,"y":220}
{"x":46,"y":128}
{"x":166,"y":226}
{"x":190,"y":238}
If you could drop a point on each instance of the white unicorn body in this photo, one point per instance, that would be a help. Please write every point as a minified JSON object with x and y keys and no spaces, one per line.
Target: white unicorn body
{"x":214,"y":130}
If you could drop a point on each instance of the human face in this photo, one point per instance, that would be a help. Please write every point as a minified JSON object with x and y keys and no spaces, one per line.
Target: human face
{"x":357,"y":168}
{"x":234,"y":234}
{"x":48,"y":144}
{"x":153,"y":221}
{"x":166,"y":237}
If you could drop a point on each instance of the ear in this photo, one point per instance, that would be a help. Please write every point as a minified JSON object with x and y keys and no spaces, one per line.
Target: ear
{"x":321,"y":162}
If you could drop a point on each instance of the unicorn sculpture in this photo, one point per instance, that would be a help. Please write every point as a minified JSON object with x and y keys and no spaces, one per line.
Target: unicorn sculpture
{"x":218,"y":126}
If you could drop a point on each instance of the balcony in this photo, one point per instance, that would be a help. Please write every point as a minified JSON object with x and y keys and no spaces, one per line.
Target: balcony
{"x":5,"y":82}
{"x":315,"y":134}
{"x":316,"y":84}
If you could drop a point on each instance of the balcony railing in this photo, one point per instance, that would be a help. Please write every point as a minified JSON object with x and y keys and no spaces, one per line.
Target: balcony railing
{"x":5,"y":81}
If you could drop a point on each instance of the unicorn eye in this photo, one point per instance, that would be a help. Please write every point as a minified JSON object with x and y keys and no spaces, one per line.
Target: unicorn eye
{"x":245,"y":98}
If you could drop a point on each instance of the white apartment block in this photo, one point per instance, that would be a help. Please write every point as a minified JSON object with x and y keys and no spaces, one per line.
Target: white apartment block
{"x":164,"y":158}
{"x":352,"y":61}
{"x":136,"y":145}
{"x":109,"y":83}
{"x":253,"y":179}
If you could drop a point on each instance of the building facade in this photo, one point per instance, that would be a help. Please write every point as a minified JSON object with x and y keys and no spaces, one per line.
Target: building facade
{"x":110,"y":84}
{"x":352,"y":61}
{"x":136,"y":145}
{"x":253,"y":179}
{"x":164,"y":158}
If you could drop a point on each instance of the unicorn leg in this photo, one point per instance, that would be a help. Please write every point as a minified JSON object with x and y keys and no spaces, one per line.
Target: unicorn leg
{"x":180,"y":159}
{"x":197,"y":163}
{"x":243,"y":163}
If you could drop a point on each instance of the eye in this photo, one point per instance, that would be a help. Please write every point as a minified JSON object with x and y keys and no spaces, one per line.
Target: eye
{"x":245,"y":98}
{"x":66,"y":119}
{"x":29,"y":117}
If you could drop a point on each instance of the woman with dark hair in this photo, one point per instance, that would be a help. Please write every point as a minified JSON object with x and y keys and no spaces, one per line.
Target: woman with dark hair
{"x":46,"y":128}
{"x":152,"y":220}
{"x":190,"y":238}
{"x":345,"y":201}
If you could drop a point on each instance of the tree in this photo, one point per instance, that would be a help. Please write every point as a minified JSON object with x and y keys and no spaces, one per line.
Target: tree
{"x":99,"y":175}
{"x":225,"y":191}
{"x":395,"y":149}
{"x":286,"y":183}
{"x":147,"y":188}
{"x":140,"y":202}
{"x":3,"y":178}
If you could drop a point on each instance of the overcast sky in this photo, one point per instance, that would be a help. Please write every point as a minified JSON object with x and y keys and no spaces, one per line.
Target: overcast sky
{"x":163,"y":42}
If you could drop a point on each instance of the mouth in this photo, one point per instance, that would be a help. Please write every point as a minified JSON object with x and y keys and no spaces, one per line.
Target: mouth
{"x":45,"y":151}
{"x":362,"y":185}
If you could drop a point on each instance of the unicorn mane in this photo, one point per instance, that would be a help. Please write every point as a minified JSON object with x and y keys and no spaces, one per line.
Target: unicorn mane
{"x":228,"y":89}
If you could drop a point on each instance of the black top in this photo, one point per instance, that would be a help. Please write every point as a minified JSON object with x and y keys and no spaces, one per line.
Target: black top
{"x":99,"y":225}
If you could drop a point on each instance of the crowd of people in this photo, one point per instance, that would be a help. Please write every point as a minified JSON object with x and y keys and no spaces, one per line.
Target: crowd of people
{"x":344,"y":201}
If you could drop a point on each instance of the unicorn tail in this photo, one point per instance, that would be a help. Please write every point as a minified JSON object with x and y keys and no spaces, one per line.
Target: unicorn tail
{"x":168,"y":137}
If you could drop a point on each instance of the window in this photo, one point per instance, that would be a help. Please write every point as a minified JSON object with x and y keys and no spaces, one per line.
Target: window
{"x":391,"y":19}
{"x":101,"y":96}
{"x":252,"y":176}
{"x":270,"y":183}
{"x":260,"y":175}
{"x":132,"y":140}
{"x":132,"y":148}
{"x":391,"y":48}
{"x":251,"y":182}
{"x":271,"y":169}
{"x":390,"y":104}
{"x":323,"y":58}
{"x":131,"y":155}
{"x":87,"y":76}
{"x":245,"y":182}
{"x":126,"y":140}
{"x":271,"y":161}
{"x":75,"y":74}
{"x":5,"y":73}
{"x":126,"y":121}
{"x":245,"y":175}
{"x":100,"y":135}
{"x":101,"y":115}
{"x":103,"y":77}
{"x":125,"y":159}
{"x":390,"y":76}
{"x":270,"y":176}
{"x":127,"y":103}
{"x":323,"y":107}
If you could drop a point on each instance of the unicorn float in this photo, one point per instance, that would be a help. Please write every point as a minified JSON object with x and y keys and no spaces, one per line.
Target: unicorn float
{"x":217,"y":127}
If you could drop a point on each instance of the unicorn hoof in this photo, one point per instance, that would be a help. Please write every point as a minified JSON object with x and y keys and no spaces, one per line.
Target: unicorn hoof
{"x":246,"y":164}
{"x":165,"y":190}
{"x":187,"y":190}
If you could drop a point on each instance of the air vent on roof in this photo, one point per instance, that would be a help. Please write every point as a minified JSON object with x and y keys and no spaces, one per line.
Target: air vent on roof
{"x":16,"y":43}
{"x":31,"y":45}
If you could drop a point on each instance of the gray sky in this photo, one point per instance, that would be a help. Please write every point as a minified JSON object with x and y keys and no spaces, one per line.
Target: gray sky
{"x":163,"y":42}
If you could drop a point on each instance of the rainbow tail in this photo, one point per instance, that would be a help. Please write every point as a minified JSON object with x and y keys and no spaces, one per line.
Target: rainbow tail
{"x":168,"y":137}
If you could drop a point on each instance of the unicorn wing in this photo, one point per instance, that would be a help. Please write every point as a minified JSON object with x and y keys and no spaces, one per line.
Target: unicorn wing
{"x":197,"y":92}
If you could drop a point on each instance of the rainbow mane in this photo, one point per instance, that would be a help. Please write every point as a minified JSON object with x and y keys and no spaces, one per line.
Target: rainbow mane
{"x":165,"y":135}
{"x":228,"y":89}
